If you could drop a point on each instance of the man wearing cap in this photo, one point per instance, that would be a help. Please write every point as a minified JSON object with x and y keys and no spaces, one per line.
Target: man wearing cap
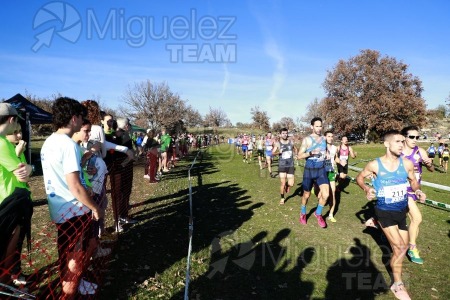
{"x":16,"y":207}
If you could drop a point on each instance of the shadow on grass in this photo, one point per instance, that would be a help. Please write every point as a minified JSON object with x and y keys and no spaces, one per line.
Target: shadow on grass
{"x":253,"y":269}
{"x":356,"y":277}
{"x":161,"y":239}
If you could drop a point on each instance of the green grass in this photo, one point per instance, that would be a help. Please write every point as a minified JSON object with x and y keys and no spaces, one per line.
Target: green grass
{"x":247,"y":246}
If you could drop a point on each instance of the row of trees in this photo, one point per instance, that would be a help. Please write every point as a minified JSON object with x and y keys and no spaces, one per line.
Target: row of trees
{"x":366,"y":93}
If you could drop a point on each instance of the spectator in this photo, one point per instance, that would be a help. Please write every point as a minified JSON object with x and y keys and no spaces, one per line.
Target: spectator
{"x":165,"y":143}
{"x":120,"y":169}
{"x":69,"y":202}
{"x":16,"y":207}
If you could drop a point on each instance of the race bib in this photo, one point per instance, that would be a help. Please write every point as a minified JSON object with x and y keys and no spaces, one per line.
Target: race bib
{"x":395,"y":193}
{"x":286,"y":154}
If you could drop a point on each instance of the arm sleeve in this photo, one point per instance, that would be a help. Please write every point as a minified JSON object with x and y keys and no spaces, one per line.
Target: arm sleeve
{"x":116,"y":147}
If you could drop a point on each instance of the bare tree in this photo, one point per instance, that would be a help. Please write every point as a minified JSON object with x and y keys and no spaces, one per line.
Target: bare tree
{"x":153,"y":104}
{"x":314,"y":109}
{"x":215,"y":118}
{"x":192,"y":117}
{"x":260,"y":118}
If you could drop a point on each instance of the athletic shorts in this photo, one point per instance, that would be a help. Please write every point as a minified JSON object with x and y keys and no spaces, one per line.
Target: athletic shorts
{"x":244,"y":148}
{"x":439,"y":155}
{"x":288,"y":170}
{"x":331,"y":176}
{"x":388,"y":218}
{"x":445,"y":158}
{"x":311,"y":175}
{"x":431,"y":155}
{"x":269,"y":153}
{"x":260,"y":153}
{"x":342,"y":169}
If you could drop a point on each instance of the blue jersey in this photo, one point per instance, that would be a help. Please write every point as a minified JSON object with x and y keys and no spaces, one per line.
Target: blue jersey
{"x":317,"y":161}
{"x":391,"y":187}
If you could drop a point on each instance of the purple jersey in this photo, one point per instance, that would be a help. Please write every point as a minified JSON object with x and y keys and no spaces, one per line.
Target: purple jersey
{"x":416,"y":159}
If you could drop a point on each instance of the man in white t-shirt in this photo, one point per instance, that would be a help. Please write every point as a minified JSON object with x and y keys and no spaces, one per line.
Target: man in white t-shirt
{"x":69,"y":203}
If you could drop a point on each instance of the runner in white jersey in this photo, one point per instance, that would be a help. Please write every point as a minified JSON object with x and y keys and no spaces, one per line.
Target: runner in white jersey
{"x":331,"y":168}
{"x":260,"y":150}
{"x":268,"y":144}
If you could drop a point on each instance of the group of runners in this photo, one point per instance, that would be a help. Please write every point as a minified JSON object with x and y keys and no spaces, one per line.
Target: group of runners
{"x":394,"y":182}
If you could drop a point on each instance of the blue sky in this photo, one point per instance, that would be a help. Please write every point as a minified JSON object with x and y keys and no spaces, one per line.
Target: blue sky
{"x":232,"y":55}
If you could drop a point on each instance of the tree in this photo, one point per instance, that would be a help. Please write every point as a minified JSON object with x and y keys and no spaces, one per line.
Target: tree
{"x":154,"y":104}
{"x":369,"y":92}
{"x":314,"y":109}
{"x":260,"y":118}
{"x":192,"y":117}
{"x":216,"y":118}
{"x":287,"y":122}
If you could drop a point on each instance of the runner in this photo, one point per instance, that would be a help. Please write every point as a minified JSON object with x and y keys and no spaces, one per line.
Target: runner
{"x":344,"y":151}
{"x":431,"y":152}
{"x":445,"y":155}
{"x":285,"y":149}
{"x":391,"y":174}
{"x":244,"y":142}
{"x":418,"y":157}
{"x":440,"y":149}
{"x":251,"y":145}
{"x":313,"y":149}
{"x":260,"y":150}
{"x":330,"y":167}
{"x":269,"y":143}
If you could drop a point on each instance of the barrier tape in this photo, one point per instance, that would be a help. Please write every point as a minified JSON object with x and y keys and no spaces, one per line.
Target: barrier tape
{"x":191,"y":231}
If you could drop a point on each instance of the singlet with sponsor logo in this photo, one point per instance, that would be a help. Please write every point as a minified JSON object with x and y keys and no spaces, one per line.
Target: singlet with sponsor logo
{"x":269,"y":144}
{"x":343,"y":153}
{"x":391,"y":187}
{"x":319,"y":145}
{"x":286,"y":154}
{"x":331,"y":150}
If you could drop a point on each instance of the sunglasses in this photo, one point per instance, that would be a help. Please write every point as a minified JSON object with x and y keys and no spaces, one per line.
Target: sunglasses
{"x":412,"y":137}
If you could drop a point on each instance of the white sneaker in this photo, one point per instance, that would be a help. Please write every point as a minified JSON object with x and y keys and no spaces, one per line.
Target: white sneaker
{"x":118,"y":228}
{"x":87,"y":288}
{"x":101,"y":252}
{"x":146,"y":177}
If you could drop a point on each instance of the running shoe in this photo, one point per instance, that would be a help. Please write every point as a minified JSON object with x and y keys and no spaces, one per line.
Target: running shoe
{"x":414,"y":256}
{"x":127,"y":221}
{"x":18,"y":280}
{"x":303,"y":219}
{"x":87,"y":288}
{"x":400,"y":291}
{"x":146,"y":177}
{"x":320,"y":221}
{"x":331,"y":219}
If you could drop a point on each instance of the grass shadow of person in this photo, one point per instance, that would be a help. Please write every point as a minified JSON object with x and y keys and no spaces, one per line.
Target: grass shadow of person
{"x":356,"y":277}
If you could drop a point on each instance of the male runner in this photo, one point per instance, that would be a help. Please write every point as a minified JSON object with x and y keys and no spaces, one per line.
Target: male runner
{"x":269,"y":143}
{"x":344,"y":151}
{"x":260,"y":150}
{"x":313,"y":149}
{"x":244,"y":143}
{"x":330,"y":167}
{"x":285,"y":149}
{"x":391,"y":174}
{"x":418,"y":157}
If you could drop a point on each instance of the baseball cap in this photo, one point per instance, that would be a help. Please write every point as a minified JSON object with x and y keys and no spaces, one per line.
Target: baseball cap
{"x":6,"y":109}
